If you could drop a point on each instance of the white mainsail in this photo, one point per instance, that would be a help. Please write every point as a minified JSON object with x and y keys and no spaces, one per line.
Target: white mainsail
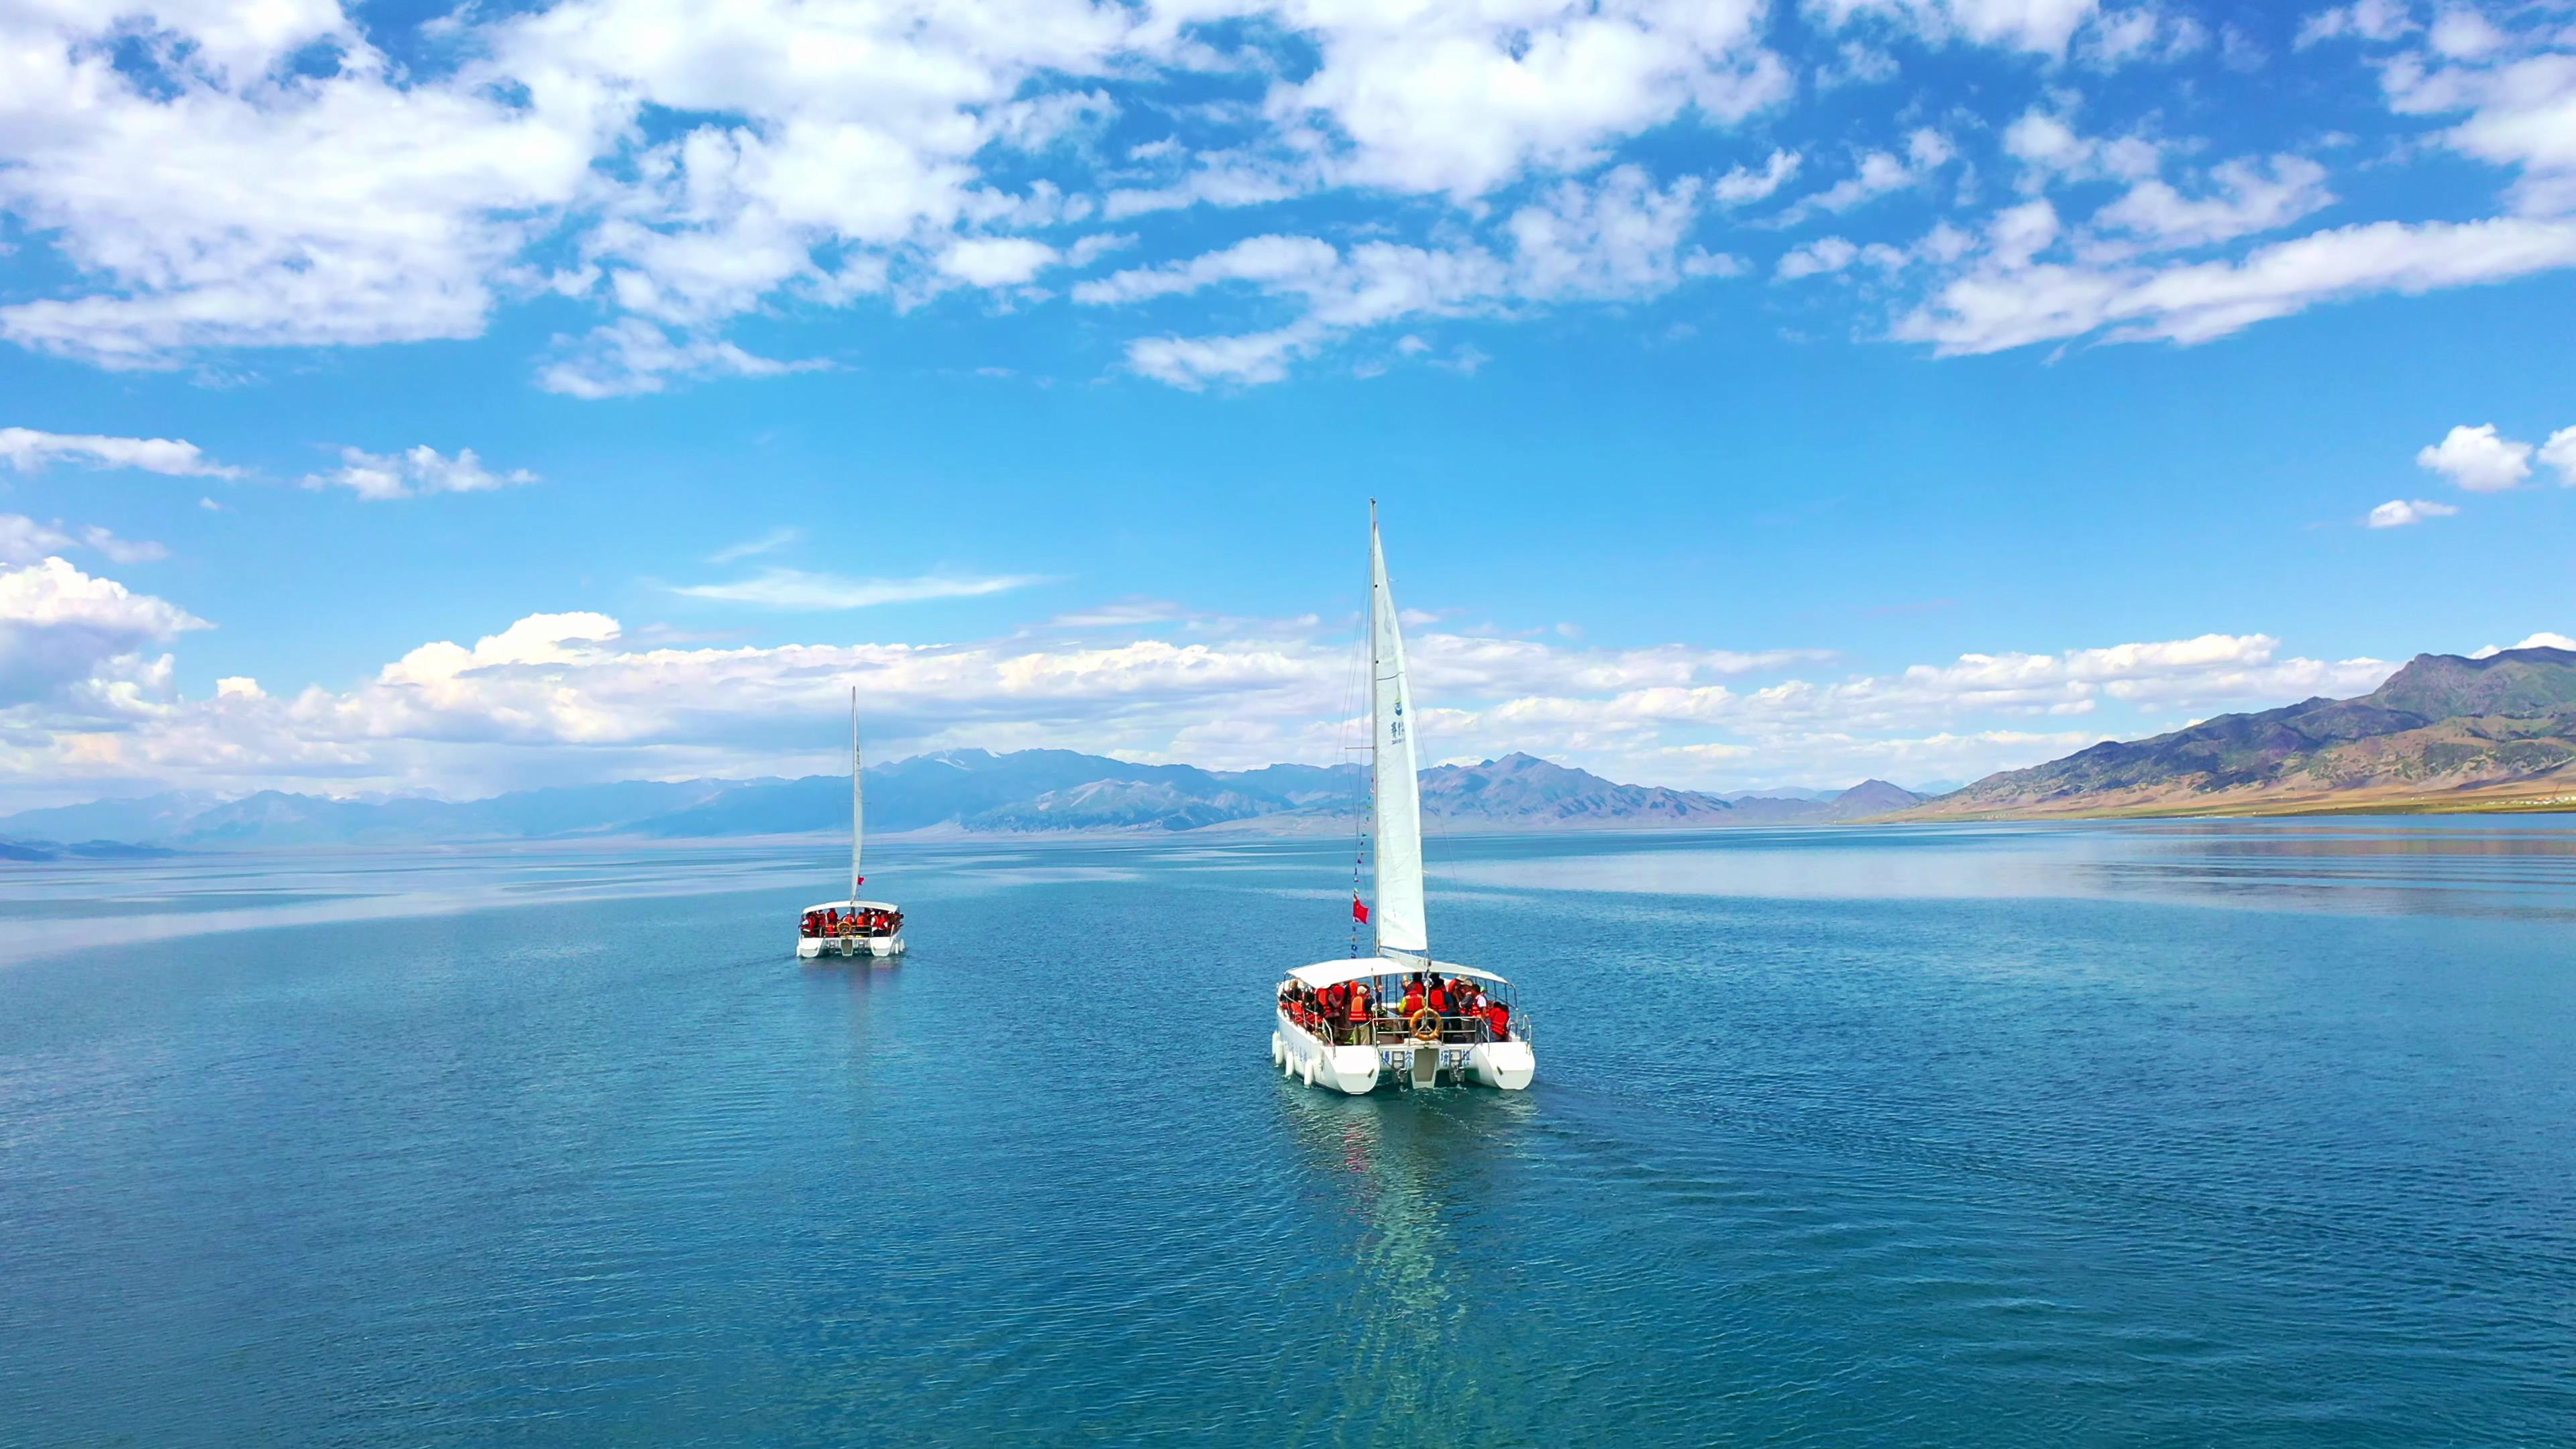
{"x":1396,"y":777}
{"x":858,"y":814}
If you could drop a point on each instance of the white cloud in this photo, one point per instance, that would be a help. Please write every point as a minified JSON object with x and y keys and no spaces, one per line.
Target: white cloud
{"x":770,"y":542}
{"x":65,"y":634}
{"x":1620,"y":237}
{"x":2560,"y":453}
{"x":23,"y":540}
{"x":2377,"y":20}
{"x":413,"y":473}
{"x":2399,"y":512}
{"x":2007,"y":299}
{"x":2520,"y":109}
{"x":810,"y":592}
{"x":1815,"y":258}
{"x":633,"y":355}
{"x":1740,"y":187}
{"x":2477,"y":459}
{"x":1002,"y":261}
{"x":1875,"y":174}
{"x":2247,"y":197}
{"x":2542,"y":640}
{"x":1460,"y":99}
{"x":575,"y":696}
{"x":29,"y":451}
{"x":2141,"y":33}
{"x":2043,"y":26}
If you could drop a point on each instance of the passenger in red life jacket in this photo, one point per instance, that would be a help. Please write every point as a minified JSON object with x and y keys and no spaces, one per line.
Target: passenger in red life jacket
{"x":1500,"y":1016}
{"x":1413,"y":996}
{"x":1439,"y":997}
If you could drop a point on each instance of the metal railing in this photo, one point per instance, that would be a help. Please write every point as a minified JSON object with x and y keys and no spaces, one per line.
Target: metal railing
{"x":1392,"y":1030}
{"x":835,"y":933}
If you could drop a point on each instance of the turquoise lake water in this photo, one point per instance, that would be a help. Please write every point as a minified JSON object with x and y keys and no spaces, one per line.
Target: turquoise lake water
{"x":2257,"y":1134}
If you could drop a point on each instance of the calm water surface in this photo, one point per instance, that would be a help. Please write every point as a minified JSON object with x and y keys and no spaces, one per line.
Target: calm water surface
{"x":2256,"y":1134}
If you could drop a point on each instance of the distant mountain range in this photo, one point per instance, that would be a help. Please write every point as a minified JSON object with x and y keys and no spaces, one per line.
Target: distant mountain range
{"x":2443,"y":733}
{"x":962,"y":791}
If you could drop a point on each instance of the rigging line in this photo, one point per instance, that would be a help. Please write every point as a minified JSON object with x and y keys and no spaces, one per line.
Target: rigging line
{"x":1353,"y":682}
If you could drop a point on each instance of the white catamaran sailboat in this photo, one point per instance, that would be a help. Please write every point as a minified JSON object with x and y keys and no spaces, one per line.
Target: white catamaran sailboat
{"x":852,"y":927}
{"x":1399,"y":1016}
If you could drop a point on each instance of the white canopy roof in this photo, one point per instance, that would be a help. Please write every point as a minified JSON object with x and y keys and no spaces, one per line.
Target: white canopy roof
{"x":1334,"y":973}
{"x":853,"y":906}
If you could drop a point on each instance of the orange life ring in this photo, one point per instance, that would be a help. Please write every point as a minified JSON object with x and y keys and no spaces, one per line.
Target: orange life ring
{"x":1426,"y":1025}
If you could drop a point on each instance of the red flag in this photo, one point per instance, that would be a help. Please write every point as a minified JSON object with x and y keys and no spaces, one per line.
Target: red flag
{"x":858,"y":880}
{"x":1359,"y":912}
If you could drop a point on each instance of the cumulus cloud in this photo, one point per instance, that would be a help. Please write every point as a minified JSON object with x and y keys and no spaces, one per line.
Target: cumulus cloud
{"x":2399,"y":512}
{"x":1460,"y":99}
{"x":2477,"y":459}
{"x":577,"y":696}
{"x":29,"y":451}
{"x":2541,"y":640}
{"x":73,"y":641}
{"x":2559,"y":453}
{"x":414,"y":473}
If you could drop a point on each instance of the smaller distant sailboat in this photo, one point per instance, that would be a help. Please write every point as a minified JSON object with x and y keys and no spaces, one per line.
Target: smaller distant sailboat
{"x":852,"y":927}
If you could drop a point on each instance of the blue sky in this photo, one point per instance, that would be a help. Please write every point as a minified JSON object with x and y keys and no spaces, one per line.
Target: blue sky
{"x":405,"y":398}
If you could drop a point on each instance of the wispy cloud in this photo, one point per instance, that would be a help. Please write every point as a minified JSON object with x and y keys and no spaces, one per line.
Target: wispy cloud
{"x":776,"y":538}
{"x":796,"y":589}
{"x":2402,"y":512}
{"x":30,"y":451}
{"x":1124,"y":614}
{"x":24,"y":540}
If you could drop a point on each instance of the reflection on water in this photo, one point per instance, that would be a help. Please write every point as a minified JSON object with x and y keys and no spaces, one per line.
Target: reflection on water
{"x":1414,"y":1174}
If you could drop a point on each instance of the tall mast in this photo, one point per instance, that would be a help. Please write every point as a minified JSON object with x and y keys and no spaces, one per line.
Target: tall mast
{"x":858,"y":816}
{"x":856,"y":803}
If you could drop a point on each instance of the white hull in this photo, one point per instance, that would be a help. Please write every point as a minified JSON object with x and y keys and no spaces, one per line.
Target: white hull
{"x":1357,"y":1070}
{"x":810,"y":948}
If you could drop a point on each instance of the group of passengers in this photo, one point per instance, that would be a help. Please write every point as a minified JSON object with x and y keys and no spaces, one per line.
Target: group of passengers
{"x":1351,"y":1014}
{"x":850,"y":922}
